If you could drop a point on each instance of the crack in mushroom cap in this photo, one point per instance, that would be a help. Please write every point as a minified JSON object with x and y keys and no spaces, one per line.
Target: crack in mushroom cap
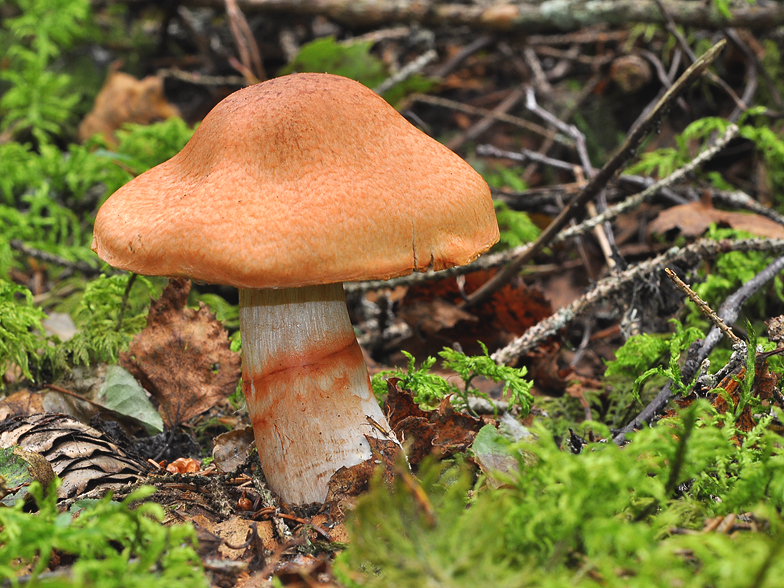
{"x":300,"y":180}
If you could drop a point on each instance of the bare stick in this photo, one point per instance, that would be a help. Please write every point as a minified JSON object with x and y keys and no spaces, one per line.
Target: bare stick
{"x":250,"y":56}
{"x":637,"y":199}
{"x":202,"y":80}
{"x":479,"y":43}
{"x":673,"y":29}
{"x":524,"y":156}
{"x":497,"y":259}
{"x":406,"y":72}
{"x":486,"y":122}
{"x":739,"y":199}
{"x":47,"y":257}
{"x":599,"y":181}
{"x":702,"y":305}
{"x":733,"y":36}
{"x":522,"y":17}
{"x":503,"y":117}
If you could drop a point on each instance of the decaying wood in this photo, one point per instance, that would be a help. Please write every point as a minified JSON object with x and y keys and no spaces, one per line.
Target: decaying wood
{"x":519,"y":17}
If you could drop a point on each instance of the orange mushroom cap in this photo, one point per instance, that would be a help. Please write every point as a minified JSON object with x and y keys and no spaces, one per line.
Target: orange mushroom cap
{"x":301,"y":180}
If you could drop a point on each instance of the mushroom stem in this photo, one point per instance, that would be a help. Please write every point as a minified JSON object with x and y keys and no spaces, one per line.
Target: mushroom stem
{"x":306,"y":386}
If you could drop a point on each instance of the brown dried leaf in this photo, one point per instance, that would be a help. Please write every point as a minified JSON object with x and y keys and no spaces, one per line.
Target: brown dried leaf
{"x":454,"y":431}
{"x":422,"y":432}
{"x":694,"y":218}
{"x":508,"y":313}
{"x":431,"y":316}
{"x":234,"y":531}
{"x":23,"y":402}
{"x":182,"y":357}
{"x":232,"y":449}
{"x":347,"y":484}
{"x":124,"y":99}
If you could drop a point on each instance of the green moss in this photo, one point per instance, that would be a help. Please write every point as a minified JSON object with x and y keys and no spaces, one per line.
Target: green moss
{"x":607,"y":517}
{"x":114,"y":545}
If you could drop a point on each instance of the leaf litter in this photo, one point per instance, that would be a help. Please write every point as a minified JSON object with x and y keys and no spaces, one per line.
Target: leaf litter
{"x":182,"y":357}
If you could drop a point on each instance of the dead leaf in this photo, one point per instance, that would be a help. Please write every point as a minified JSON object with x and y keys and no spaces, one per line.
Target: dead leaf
{"x":430,"y":309}
{"x":347,"y":484}
{"x":182,"y":357}
{"x":232,"y":449}
{"x":23,"y":402}
{"x":442,"y":430}
{"x":124,"y":99}
{"x":694,"y":218}
{"x":234,"y":532}
{"x":431,"y":316}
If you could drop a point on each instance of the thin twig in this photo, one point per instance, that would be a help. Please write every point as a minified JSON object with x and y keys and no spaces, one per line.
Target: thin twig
{"x":599,"y":181}
{"x":453,"y":62}
{"x":124,"y":304}
{"x":59,"y":390}
{"x":47,"y":257}
{"x":198,"y":79}
{"x":250,"y":56}
{"x":739,"y":199}
{"x":405,"y":72}
{"x":684,"y":45}
{"x":635,"y":200}
{"x":472,"y":110}
{"x":733,"y":36}
{"x":702,"y":305}
{"x":524,"y":156}
{"x":487,"y":121}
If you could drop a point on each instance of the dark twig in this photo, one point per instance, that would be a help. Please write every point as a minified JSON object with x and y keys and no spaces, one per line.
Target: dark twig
{"x":198,"y":79}
{"x":684,"y":45}
{"x":748,"y":92}
{"x":487,"y":121}
{"x":524,"y":156}
{"x":124,"y":304}
{"x":250,"y":56}
{"x":702,"y":305}
{"x":472,"y":110}
{"x":740,"y":199}
{"x":728,"y":312}
{"x":79,"y":266}
{"x":405,"y":72}
{"x":733,"y":36}
{"x":453,"y":62}
{"x":600,"y":180}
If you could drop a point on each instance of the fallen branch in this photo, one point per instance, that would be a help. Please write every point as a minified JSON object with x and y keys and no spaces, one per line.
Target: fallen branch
{"x":520,"y":17}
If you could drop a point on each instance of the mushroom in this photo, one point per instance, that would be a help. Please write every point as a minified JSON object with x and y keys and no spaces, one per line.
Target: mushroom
{"x":287,"y":189}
